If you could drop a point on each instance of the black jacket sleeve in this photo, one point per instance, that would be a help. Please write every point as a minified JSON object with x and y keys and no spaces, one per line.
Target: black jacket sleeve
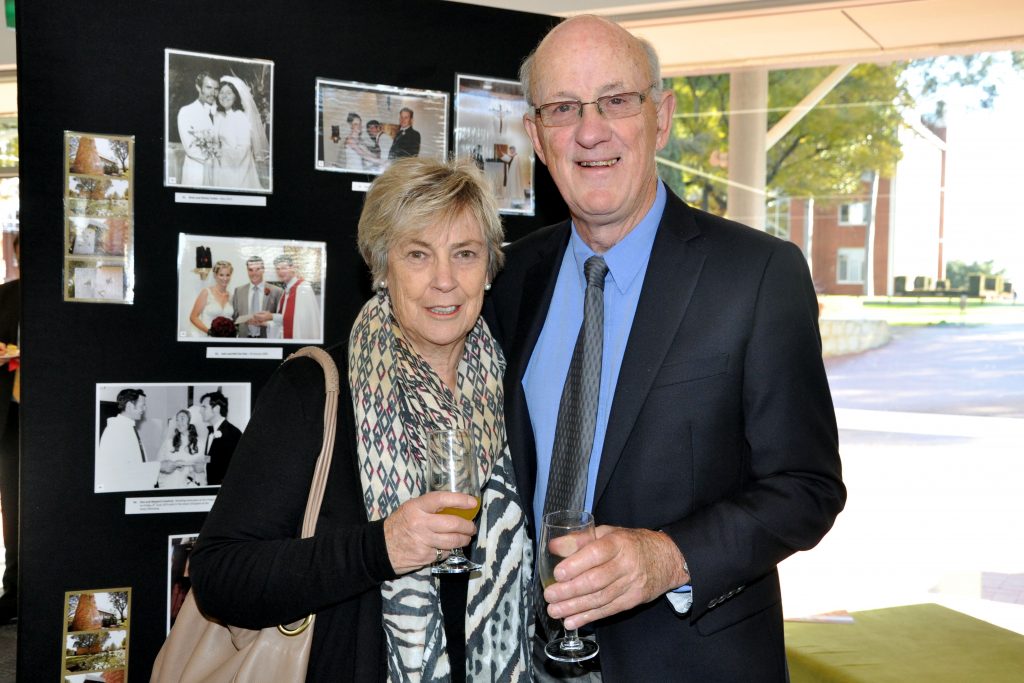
{"x":249,"y":567}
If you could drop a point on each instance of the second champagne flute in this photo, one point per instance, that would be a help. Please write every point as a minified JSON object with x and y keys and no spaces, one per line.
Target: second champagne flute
{"x":565,"y":532}
{"x":453,"y":467}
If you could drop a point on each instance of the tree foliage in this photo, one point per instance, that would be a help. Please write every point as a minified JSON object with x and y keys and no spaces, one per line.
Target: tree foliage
{"x":119,"y":599}
{"x":90,"y":642}
{"x":120,"y":150}
{"x":853,"y":130}
{"x":957,"y":272}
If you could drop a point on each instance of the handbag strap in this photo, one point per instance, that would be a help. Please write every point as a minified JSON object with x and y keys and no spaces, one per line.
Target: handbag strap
{"x":323,"y":463}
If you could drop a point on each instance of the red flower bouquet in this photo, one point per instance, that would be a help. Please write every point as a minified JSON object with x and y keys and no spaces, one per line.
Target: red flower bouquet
{"x":223,"y":327}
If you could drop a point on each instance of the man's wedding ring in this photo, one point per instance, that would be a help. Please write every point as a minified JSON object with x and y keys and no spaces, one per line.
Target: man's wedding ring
{"x":437,"y":554}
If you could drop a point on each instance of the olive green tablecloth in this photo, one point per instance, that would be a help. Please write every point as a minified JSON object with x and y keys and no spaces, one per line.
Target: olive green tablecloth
{"x":905,"y":644}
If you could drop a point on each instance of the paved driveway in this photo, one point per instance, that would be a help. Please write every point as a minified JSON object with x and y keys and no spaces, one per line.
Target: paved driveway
{"x":932,"y":441}
{"x":949,"y":369}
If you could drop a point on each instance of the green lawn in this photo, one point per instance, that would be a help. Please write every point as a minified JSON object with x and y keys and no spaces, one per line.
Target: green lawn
{"x":923,"y":311}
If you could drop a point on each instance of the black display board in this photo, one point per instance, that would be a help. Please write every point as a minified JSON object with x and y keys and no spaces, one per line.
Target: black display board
{"x":97,"y":66}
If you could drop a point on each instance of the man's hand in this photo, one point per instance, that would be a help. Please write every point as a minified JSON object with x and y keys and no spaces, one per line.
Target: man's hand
{"x":623,"y":568}
{"x":168,"y":466}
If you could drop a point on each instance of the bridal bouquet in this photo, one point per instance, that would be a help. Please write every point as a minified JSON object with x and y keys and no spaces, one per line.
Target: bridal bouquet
{"x":223,"y":327}
{"x":207,"y":141}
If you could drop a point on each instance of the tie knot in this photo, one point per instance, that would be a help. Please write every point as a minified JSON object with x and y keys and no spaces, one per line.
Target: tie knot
{"x":595,"y":269}
{"x":209,"y":429}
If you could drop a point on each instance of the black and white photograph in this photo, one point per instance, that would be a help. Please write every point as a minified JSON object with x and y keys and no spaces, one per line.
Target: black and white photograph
{"x":167,"y":436}
{"x":179,"y":548}
{"x":95,"y":638}
{"x":362,"y":128}
{"x":219,"y":122}
{"x":489,"y":130}
{"x":250,"y":291}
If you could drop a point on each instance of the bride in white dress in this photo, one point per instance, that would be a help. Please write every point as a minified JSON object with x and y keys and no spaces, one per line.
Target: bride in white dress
{"x":213,"y":302}
{"x":349,"y":156}
{"x":181,"y":445}
{"x":240,"y":135}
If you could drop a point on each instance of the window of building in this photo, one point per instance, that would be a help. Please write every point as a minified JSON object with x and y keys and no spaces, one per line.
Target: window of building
{"x":777,"y":217}
{"x":853,"y":213}
{"x":850,"y":266}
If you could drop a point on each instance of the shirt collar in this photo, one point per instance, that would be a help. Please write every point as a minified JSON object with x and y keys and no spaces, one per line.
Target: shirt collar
{"x":627,"y":258}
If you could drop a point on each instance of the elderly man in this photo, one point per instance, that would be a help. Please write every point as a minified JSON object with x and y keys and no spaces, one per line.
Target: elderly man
{"x":701,"y":432}
{"x":298,"y":312}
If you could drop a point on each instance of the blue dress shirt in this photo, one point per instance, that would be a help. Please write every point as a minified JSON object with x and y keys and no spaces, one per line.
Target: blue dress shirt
{"x":549,"y":364}
{"x":545,"y":375}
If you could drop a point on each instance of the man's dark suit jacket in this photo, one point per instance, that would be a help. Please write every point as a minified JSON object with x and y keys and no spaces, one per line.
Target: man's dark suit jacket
{"x":721,"y":433}
{"x":221,"y":450}
{"x":406,"y":144}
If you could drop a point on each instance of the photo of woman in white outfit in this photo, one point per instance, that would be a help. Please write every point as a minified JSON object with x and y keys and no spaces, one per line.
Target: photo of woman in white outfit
{"x":240,"y":137}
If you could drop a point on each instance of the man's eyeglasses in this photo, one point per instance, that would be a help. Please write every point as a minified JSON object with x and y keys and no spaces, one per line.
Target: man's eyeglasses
{"x":618,"y":106}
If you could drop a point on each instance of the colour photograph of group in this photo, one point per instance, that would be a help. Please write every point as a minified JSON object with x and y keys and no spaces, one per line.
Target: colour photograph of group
{"x":248,"y":290}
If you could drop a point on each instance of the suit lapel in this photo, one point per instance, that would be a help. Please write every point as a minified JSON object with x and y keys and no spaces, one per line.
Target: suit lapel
{"x":538,"y":286}
{"x":672,"y":274}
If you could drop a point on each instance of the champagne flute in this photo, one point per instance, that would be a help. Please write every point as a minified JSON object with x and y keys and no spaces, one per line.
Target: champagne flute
{"x":565,"y":532}
{"x":454,"y":468}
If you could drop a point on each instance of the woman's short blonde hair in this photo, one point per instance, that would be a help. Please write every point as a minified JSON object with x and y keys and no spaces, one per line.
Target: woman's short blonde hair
{"x":223,"y":264}
{"x":414,"y":194}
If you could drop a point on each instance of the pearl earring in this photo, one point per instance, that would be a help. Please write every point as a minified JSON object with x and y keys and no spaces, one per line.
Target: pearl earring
{"x":383,"y":284}
{"x":487,"y":287}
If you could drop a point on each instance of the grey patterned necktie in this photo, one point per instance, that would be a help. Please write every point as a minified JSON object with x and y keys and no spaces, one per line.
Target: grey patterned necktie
{"x":577,"y":411}
{"x":577,"y":418}
{"x":253,"y":305}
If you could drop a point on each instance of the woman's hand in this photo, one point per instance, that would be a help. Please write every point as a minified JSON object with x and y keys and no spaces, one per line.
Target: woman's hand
{"x":416,"y":529}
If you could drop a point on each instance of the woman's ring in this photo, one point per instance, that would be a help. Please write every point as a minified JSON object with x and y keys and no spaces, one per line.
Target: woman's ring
{"x":437,"y":554}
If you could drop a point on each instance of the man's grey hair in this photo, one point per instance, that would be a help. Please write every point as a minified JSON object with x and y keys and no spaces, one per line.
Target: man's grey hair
{"x":653,"y":67}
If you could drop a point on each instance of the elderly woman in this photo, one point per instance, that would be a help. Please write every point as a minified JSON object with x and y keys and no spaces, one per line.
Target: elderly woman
{"x":419,"y":357}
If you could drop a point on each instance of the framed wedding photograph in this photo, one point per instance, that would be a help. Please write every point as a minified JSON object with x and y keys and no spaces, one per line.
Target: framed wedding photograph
{"x":246,"y":290}
{"x":179,"y":548}
{"x":95,"y":635}
{"x":167,"y":436}
{"x":489,"y":130}
{"x":362,"y":128}
{"x":218,"y":123}
{"x":98,"y":210}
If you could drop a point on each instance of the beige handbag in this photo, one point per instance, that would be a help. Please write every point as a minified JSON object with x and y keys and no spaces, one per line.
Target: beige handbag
{"x":199,"y":650}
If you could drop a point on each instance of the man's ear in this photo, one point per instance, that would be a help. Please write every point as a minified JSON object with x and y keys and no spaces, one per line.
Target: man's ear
{"x":666,"y":108}
{"x":531,"y":130}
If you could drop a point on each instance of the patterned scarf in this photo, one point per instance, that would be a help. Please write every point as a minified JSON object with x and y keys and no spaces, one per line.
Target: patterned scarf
{"x":397,"y":398}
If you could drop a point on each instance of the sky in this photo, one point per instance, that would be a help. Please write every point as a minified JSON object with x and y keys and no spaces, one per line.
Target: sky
{"x":985,"y":179}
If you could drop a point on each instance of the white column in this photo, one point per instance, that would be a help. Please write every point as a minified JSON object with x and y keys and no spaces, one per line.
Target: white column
{"x":748,"y":127}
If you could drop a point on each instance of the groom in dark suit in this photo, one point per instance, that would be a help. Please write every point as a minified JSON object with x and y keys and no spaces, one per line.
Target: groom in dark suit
{"x":221,"y":435}
{"x":715,"y":450}
{"x":407,"y":140}
{"x":254,"y":297}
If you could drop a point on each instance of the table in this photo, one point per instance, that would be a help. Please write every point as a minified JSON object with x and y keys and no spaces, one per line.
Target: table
{"x":904,"y":644}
